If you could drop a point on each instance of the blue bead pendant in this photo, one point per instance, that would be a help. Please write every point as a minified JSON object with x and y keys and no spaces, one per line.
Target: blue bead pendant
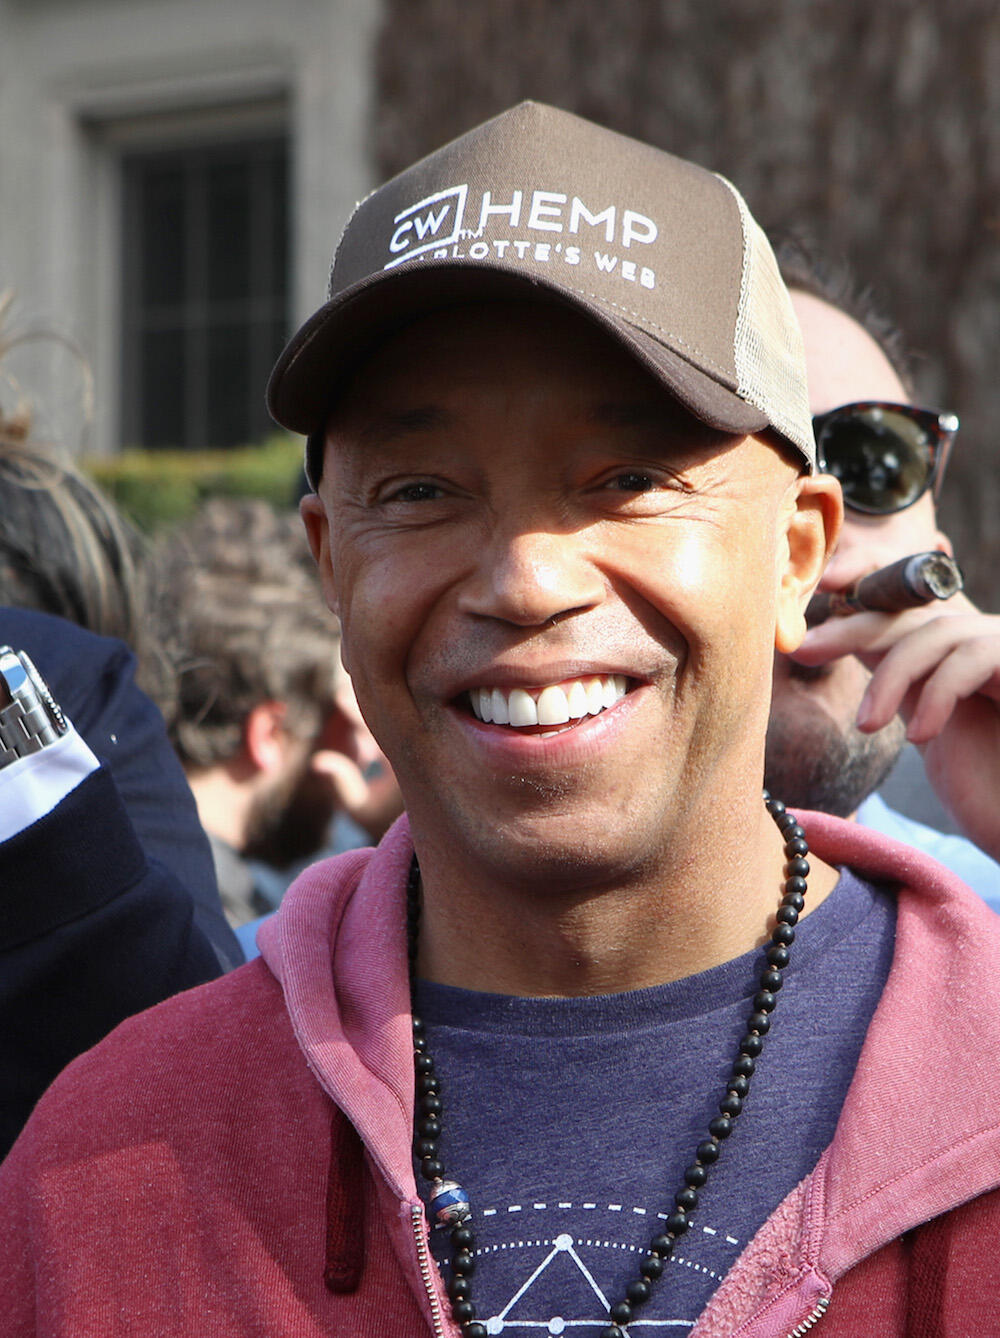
{"x":450,"y":1204}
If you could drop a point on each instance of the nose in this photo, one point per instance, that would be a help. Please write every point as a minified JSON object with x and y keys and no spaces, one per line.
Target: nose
{"x":531,"y":577}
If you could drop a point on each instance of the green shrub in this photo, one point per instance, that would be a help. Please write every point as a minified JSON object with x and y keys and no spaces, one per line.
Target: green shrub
{"x":158,"y":488}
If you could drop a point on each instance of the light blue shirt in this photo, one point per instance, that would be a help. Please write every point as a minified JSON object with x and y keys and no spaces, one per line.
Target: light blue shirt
{"x":956,"y":853}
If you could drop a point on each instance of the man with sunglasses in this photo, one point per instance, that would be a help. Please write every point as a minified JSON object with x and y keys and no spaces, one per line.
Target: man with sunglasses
{"x":860,"y":686}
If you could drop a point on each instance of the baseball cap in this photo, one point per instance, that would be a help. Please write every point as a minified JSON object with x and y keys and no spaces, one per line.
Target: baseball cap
{"x":660,"y":253}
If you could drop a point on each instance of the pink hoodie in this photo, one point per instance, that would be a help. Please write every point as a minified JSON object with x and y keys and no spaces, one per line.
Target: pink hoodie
{"x":189,"y":1176}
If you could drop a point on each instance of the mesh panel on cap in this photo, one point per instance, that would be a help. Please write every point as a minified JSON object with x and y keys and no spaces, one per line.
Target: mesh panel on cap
{"x":768,"y":351}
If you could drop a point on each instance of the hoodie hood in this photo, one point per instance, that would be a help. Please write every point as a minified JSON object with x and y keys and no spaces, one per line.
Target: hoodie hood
{"x":337,"y":947}
{"x":917,"y":1134}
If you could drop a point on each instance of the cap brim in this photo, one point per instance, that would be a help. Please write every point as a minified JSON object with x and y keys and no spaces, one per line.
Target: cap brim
{"x":320,"y":358}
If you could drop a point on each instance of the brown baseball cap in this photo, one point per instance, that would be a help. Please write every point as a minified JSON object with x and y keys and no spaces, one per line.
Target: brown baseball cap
{"x":660,"y":253}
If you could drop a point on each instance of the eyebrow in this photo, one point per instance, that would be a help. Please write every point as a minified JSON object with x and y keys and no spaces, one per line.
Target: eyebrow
{"x":388,"y":425}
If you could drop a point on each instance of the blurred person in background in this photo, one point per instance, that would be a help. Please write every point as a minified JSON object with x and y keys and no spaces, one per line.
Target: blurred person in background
{"x":860,"y":686}
{"x":266,"y":725}
{"x":108,"y":901}
{"x":65,"y":550}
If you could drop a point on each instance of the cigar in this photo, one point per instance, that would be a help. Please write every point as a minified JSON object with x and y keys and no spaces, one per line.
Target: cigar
{"x":905,"y":584}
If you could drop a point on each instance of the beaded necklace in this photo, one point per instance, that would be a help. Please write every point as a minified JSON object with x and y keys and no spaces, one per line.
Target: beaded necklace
{"x":449,"y":1202}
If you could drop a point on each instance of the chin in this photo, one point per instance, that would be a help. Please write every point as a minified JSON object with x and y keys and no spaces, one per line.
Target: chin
{"x":814,"y":761}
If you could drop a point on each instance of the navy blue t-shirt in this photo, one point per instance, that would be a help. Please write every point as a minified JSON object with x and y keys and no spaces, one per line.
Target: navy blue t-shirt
{"x":570,"y":1121}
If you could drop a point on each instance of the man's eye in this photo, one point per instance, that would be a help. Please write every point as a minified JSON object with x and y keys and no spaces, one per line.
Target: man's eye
{"x":416,"y":492}
{"x":632,"y":480}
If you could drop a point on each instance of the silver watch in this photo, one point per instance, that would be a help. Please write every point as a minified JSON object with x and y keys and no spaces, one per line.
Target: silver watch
{"x":30,"y":718}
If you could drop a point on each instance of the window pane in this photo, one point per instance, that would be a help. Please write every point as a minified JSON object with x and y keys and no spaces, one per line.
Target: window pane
{"x":162,"y":388}
{"x":229,"y":218}
{"x":162,"y":223}
{"x":228,"y":388}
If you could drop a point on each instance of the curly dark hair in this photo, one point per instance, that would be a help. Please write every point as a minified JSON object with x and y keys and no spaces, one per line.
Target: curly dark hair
{"x":243,"y":621}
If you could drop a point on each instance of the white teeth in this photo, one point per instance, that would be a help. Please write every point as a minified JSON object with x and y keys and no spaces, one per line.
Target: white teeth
{"x":552,"y":707}
{"x":556,"y":704}
{"x":522,"y":709}
{"x":576,"y":702}
{"x":595,"y":696}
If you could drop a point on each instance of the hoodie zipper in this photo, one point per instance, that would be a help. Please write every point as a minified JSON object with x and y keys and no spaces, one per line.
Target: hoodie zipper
{"x":426,"y":1269}
{"x":810,"y":1321}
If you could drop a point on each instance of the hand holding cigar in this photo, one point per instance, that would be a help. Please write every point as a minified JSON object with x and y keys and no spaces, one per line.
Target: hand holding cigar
{"x":906,"y":584}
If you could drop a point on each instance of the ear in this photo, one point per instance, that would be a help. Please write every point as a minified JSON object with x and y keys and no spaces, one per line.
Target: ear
{"x":313,"y":512}
{"x":942,"y":543}
{"x":813,"y":528}
{"x":265,"y":740}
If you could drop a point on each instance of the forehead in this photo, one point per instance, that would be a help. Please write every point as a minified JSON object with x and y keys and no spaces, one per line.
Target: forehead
{"x":843,"y":362}
{"x":476,"y":364}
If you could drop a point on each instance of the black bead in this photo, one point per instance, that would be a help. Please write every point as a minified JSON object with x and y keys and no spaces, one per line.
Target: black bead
{"x":427,"y":1083}
{"x":609,"y":1331}
{"x":739,"y":1084}
{"x":431,"y":1168}
{"x":764,"y":1002}
{"x":797,"y":868}
{"x":760,"y":1023}
{"x":459,"y":1289}
{"x":429,"y":1127}
{"x":708,"y":1152}
{"x":462,"y":1237}
{"x":419,"y":1044}
{"x":423,"y":1063}
{"x":464,"y":1311}
{"x":798,"y":845}
{"x":652,"y":1267}
{"x":695,"y":1176}
{"x":720,"y":1127}
{"x":678,"y":1223}
{"x":463,"y":1263}
{"x":744,"y":1066}
{"x":777,"y":956}
{"x":686,"y":1199}
{"x":621,"y":1313}
{"x":474,"y":1330}
{"x":662,"y":1246}
{"x":731,"y":1105}
{"x":796,"y":887}
{"x":783,"y":934}
{"x":751,"y":1045}
{"x":418,"y":1026}
{"x":787,"y":915}
{"x":772,"y":981}
{"x":638,"y":1293}
{"x":425,"y":1147}
{"x":430,"y":1104}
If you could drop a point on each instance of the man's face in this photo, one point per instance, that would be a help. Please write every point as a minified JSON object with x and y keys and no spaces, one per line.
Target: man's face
{"x":512,"y":509}
{"x":816,"y":757}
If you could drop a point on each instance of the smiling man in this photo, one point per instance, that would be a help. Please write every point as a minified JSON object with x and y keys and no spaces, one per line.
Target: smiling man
{"x":624,"y":1032}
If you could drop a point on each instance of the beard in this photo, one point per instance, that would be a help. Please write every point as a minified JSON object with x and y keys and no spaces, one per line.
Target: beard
{"x":289,"y":824}
{"x":815,"y":761}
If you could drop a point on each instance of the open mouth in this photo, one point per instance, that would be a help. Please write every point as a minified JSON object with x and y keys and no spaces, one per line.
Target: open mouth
{"x":548,"y":707}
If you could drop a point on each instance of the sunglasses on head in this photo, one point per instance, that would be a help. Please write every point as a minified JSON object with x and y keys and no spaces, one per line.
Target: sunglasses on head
{"x":886,"y":456}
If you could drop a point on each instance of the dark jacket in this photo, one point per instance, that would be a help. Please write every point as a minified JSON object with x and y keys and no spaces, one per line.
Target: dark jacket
{"x":108,"y":903}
